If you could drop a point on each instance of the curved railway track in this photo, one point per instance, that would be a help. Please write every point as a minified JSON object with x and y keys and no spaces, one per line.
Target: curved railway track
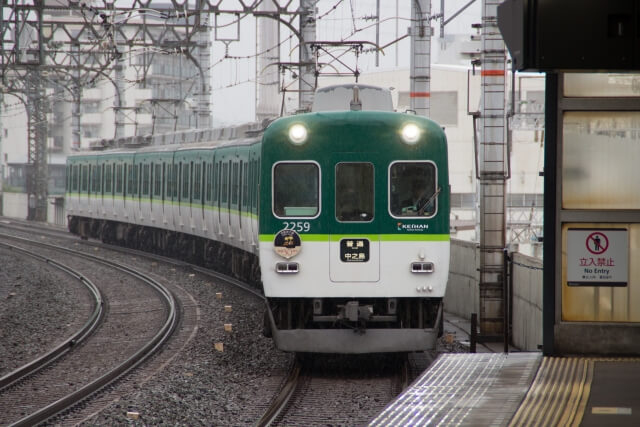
{"x":77,"y":338}
{"x":302,"y":387}
{"x":96,"y":362}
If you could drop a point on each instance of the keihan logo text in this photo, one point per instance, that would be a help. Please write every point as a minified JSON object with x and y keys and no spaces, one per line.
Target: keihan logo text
{"x":412,"y":227}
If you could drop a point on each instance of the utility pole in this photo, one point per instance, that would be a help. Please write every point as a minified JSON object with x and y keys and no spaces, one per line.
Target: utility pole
{"x":307,"y":77}
{"x":493,"y":172}
{"x":268,"y":47}
{"x":37,"y":172}
{"x":420,"y":74}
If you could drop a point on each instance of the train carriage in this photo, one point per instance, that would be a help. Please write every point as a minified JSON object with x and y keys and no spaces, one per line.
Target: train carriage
{"x":350,"y":263}
{"x":342,"y":217}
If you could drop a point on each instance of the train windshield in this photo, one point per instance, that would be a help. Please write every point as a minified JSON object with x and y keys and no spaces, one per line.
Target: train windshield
{"x":296,"y":189}
{"x":354,"y":192}
{"x":412,"y":190}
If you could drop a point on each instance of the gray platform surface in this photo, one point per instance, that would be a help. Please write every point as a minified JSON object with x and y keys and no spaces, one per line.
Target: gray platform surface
{"x":482,"y":389}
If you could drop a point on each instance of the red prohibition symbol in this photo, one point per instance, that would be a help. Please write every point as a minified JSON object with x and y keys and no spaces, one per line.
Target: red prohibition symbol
{"x":597,"y":243}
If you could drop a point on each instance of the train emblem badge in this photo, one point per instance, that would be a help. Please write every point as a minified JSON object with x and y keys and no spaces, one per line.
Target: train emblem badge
{"x":287,"y":243}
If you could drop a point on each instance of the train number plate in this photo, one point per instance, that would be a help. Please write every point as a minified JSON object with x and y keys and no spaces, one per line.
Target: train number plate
{"x":354,"y":250}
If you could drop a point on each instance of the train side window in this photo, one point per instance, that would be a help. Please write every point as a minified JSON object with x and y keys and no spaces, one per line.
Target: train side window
{"x":90,"y":179}
{"x":85,"y":179}
{"x":129,"y":174}
{"x":107,"y":179}
{"x":119,"y":179}
{"x":145,"y":179}
{"x":412,"y":189}
{"x":245,"y":185}
{"x":207,"y":183}
{"x":136,"y":180}
{"x":76,"y":178}
{"x":354,"y":192}
{"x":234,"y":185}
{"x":174,"y":181}
{"x":197,"y":182}
{"x":256,"y":181}
{"x":215,"y":185}
{"x":98,"y":180}
{"x":186,"y":172}
{"x":296,"y":189}
{"x":225,"y":181}
{"x":157,"y":180}
{"x":169,"y":177}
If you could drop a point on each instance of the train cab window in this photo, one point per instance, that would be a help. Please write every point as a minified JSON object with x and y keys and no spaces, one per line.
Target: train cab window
{"x":412,"y":189}
{"x":354,"y":192}
{"x":296,"y":189}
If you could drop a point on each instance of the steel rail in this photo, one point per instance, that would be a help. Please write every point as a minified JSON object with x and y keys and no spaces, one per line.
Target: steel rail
{"x":78,"y":337}
{"x":147,"y":350}
{"x":280,"y":402}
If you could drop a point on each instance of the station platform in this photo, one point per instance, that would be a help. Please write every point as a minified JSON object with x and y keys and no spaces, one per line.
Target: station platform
{"x":519,"y":389}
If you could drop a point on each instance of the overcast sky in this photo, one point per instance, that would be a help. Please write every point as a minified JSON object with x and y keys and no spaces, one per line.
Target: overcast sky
{"x":233,"y":80}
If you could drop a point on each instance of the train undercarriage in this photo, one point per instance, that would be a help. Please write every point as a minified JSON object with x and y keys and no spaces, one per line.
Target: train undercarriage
{"x":349,"y":325}
{"x":218,"y":256}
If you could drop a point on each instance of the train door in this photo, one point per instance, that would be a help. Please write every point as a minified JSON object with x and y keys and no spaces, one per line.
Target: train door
{"x":354,"y":241}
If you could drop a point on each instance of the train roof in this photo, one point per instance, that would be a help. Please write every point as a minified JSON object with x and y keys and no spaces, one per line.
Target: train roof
{"x":171,"y":147}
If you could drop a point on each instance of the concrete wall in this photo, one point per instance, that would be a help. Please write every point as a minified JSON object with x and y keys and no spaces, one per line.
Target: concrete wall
{"x":462,"y":296}
{"x":14,"y":205}
{"x":527,"y":302}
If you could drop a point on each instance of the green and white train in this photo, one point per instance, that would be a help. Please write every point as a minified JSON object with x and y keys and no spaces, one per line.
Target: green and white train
{"x":341,"y":215}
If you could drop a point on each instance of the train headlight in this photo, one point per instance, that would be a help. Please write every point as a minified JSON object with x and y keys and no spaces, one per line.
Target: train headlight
{"x":410,"y":133}
{"x":298,"y":134}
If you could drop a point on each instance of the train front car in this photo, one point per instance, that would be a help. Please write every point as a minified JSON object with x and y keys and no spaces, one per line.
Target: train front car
{"x":354,"y":231}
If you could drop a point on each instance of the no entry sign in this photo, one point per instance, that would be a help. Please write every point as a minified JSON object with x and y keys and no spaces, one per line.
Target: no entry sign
{"x":597,"y":257}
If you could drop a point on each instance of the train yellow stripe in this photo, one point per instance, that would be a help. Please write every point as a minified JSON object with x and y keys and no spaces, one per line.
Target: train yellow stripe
{"x":372,"y":237}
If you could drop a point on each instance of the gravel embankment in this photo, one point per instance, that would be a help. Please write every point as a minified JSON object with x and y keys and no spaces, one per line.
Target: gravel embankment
{"x":202,"y":385}
{"x":39,"y":308}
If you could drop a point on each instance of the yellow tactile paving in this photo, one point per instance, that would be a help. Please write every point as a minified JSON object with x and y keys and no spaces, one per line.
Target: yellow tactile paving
{"x":560,"y":392}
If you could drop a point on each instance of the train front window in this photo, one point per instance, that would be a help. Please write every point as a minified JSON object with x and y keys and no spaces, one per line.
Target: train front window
{"x":354,"y":192}
{"x":296,"y":190}
{"x":412,"y":189}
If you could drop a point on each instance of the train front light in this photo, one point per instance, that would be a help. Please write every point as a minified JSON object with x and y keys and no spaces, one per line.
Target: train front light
{"x":298,"y":133}
{"x":410,"y":133}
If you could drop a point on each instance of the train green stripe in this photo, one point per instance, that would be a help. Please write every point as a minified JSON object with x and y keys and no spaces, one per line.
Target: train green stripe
{"x":372,"y":237}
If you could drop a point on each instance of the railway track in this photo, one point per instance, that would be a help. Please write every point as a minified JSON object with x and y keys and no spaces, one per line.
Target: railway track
{"x":133,"y":302}
{"x":336,"y":390}
{"x":304,"y":386}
